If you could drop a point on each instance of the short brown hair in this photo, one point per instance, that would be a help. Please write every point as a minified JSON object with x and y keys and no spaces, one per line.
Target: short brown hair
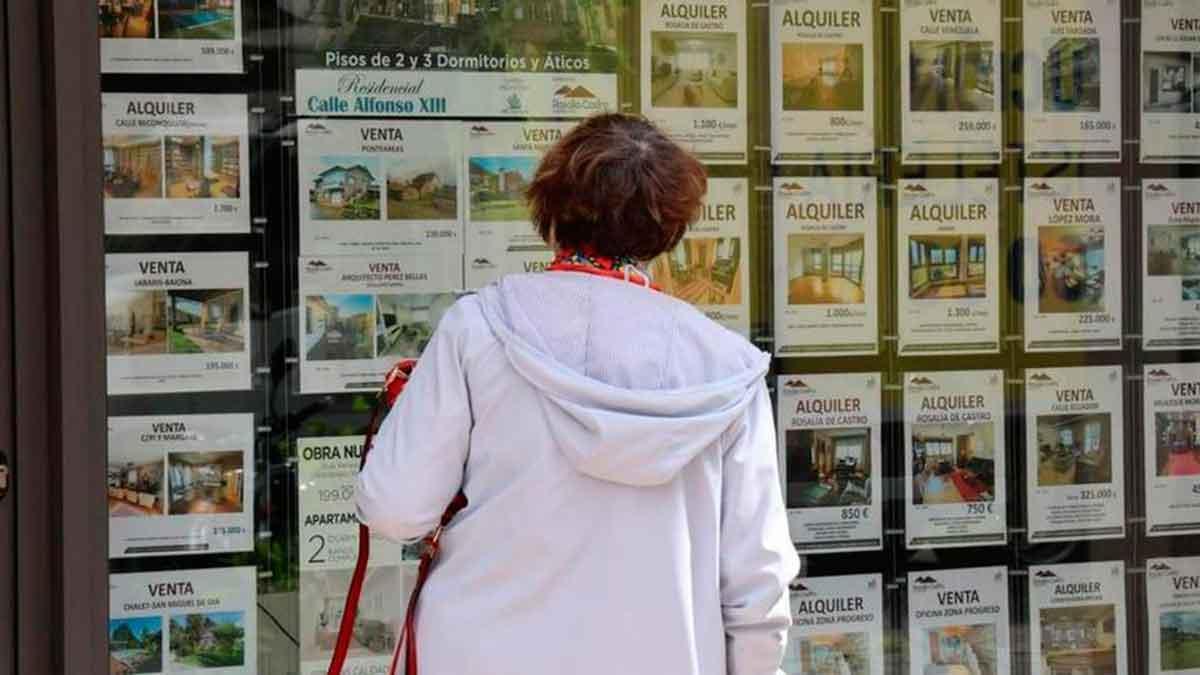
{"x":616,"y":186}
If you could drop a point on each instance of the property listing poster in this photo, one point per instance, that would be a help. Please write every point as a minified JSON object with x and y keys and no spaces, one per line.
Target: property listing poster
{"x":826,"y":289}
{"x":1170,"y":53}
{"x":1171,"y":444}
{"x":177,"y":322}
{"x":176,"y":164}
{"x":363,"y":314}
{"x":370,"y":187}
{"x":184,"y":621}
{"x":837,"y":625}
{"x":958,"y":621}
{"x":1077,"y":618}
{"x":948,"y":270}
{"x":694,"y":73}
{"x":180,"y":484}
{"x":1173,"y":610}
{"x":391,"y":58}
{"x":328,"y":535}
{"x":501,"y":159}
{"x":1072,"y":80}
{"x":170,"y":36}
{"x":950,"y":81}
{"x":954,"y":443}
{"x":829,"y":455}
{"x":710,"y":268}
{"x":1075,"y":453}
{"x":1072,"y":264}
{"x":1171,"y":276}
{"x":823,"y":82}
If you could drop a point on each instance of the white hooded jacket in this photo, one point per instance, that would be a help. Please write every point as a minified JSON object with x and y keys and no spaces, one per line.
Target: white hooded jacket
{"x":618,"y":452}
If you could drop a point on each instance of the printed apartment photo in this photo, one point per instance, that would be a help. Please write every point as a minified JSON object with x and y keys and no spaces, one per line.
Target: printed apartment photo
{"x":404,"y":323}
{"x":339,"y":326}
{"x":136,"y":323}
{"x":208,"y":640}
{"x":1167,"y":82}
{"x":825,"y":269}
{"x":1177,"y":444}
{"x":422,"y":188}
{"x":203,"y":167}
{"x":1071,"y":75}
{"x":135,"y":486}
{"x":586,"y":30}
{"x":947,"y":267}
{"x":951,"y":76}
{"x":121,"y":19}
{"x":828,"y":467}
{"x":1174,"y":250}
{"x":962,"y":650}
{"x":829,"y":654}
{"x":953,"y":463}
{"x":344,"y":187}
{"x":1081,"y":639}
{"x":196,"y":19}
{"x":204,"y":482}
{"x":822,"y":76}
{"x":693,"y":70}
{"x":1074,"y":449}
{"x":1179,"y":640}
{"x":498,"y":187}
{"x":206,"y":321}
{"x":380,"y":610}
{"x":1070,"y":269}
{"x":702,"y":271}
{"x":133,"y":167}
{"x":135,"y":645}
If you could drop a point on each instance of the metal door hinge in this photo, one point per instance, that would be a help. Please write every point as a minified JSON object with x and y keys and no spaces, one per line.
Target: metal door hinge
{"x":3,"y":474}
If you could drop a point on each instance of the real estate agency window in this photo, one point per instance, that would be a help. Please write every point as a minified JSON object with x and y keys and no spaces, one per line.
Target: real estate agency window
{"x":966,"y":230}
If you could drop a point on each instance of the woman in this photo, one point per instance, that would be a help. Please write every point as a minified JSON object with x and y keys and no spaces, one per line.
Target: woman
{"x":616,"y":447}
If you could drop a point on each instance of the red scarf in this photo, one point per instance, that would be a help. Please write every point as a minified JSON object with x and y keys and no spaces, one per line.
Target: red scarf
{"x":622,"y":267}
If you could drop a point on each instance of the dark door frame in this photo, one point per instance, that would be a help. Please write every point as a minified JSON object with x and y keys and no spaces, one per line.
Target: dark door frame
{"x":57,"y":403}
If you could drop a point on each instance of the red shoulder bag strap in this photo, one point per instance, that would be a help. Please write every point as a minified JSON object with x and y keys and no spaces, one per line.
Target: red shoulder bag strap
{"x":393,"y":385}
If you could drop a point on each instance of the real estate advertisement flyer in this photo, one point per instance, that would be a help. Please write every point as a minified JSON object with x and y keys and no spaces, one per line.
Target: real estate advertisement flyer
{"x":954,"y":445}
{"x":829,"y":455}
{"x":184,"y":621}
{"x":1072,"y":89}
{"x":950,"y":81}
{"x":328,"y":535}
{"x":837,"y":625}
{"x":1171,"y":444}
{"x":1171,"y":275}
{"x":1173,"y":615}
{"x":694,"y":73}
{"x":176,"y":164}
{"x":180,"y":485}
{"x":823,"y":82}
{"x":457,"y":59}
{"x":1072,"y":264}
{"x":177,"y":322}
{"x":1075,"y":453}
{"x":363,"y":314}
{"x":1077,"y":618}
{"x":958,"y":621}
{"x":371,"y":187}
{"x":1170,"y":110}
{"x":710,"y":268}
{"x":170,"y":36}
{"x":826,"y":288}
{"x":948,"y":270}
{"x":501,"y":160}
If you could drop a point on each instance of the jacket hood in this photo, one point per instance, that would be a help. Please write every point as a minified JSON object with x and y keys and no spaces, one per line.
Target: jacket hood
{"x":634,"y":384}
